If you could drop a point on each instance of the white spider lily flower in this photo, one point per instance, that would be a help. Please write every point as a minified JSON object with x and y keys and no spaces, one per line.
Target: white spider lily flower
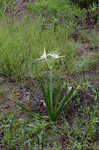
{"x":55,"y":56}
{"x":44,"y":56}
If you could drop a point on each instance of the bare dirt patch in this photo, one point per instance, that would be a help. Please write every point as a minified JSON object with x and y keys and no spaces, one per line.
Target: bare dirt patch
{"x":7,"y":94}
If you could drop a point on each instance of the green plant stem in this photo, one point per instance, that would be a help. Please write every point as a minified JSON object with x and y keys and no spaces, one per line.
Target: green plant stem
{"x":51,"y":88}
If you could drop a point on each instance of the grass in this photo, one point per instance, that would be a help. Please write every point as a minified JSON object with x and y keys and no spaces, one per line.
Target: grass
{"x":40,"y":133}
{"x":25,"y":42}
{"x":6,"y":5}
{"x":2,"y":91}
{"x":52,"y":29}
{"x":22,"y":43}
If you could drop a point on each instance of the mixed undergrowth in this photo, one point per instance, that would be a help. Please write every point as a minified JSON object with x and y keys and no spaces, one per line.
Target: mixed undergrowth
{"x":62,"y":29}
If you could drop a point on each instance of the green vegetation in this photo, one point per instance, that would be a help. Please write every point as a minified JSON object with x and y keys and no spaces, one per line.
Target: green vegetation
{"x":38,"y":108}
{"x":85,"y":3}
{"x":5,"y":5}
{"x":25,"y":42}
{"x":40,"y":133}
{"x":25,"y":48}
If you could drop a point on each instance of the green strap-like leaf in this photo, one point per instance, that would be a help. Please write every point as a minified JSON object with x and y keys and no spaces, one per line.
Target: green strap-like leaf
{"x":25,"y":108}
{"x":65,"y":100}
{"x":46,"y":95}
{"x":58,"y":97}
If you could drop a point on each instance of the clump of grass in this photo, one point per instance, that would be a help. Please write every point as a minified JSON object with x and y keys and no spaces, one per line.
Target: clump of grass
{"x":62,"y":10}
{"x":23,"y":42}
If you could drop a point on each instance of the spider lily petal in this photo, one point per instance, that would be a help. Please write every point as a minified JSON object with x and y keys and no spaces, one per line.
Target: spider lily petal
{"x":44,"y":56}
{"x":55,"y":56}
{"x":69,"y":88}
